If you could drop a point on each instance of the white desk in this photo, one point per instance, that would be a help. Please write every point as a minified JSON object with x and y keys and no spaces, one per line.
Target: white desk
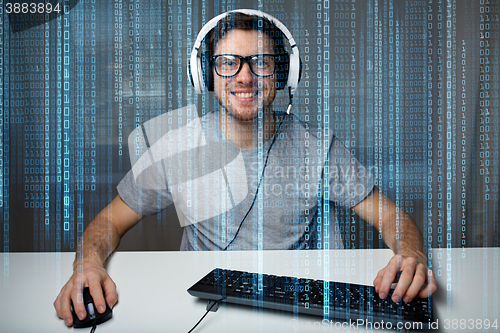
{"x":152,"y":288}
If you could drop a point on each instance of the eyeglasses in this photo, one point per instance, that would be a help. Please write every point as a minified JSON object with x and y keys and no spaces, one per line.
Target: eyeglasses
{"x":227,"y":65}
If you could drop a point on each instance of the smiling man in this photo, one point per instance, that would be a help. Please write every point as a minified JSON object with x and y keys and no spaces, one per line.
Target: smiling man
{"x":244,"y":64}
{"x":275,"y":162}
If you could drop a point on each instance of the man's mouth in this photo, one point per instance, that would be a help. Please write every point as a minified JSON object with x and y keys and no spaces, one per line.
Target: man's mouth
{"x":245,"y":94}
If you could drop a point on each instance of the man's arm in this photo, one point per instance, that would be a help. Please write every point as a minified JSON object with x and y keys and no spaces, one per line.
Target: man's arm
{"x":100,"y":238}
{"x":401,"y":234}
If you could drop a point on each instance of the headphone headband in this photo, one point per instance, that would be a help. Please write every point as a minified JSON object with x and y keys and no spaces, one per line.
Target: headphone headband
{"x":251,"y":12}
{"x":195,"y":69}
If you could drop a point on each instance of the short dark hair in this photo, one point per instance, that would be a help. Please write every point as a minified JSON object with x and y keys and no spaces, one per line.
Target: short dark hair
{"x":246,"y":22}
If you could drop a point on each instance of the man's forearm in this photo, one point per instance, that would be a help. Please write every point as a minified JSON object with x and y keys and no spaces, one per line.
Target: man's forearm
{"x":99,"y":240}
{"x":401,"y":233}
{"x":398,"y":230}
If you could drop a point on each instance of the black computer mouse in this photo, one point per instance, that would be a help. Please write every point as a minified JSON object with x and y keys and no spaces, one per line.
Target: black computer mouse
{"x":93,"y":318}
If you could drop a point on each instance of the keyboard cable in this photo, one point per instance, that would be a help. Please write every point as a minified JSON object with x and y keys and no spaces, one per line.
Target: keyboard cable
{"x":205,"y":315}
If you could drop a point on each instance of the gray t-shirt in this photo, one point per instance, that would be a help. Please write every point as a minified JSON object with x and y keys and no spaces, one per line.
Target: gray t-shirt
{"x":222,"y":206}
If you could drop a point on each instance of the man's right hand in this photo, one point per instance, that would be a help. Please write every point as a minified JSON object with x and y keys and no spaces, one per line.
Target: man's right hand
{"x":93,"y":276}
{"x":99,"y":239}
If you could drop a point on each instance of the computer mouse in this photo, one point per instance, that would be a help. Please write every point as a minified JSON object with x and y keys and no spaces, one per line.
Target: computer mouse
{"x":93,"y":318}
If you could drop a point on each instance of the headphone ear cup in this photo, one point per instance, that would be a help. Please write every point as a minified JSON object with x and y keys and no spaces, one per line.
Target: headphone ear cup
{"x":283,"y":68}
{"x":210,"y":79}
{"x":193,"y":72}
{"x":209,"y":74}
{"x":190,"y":74}
{"x":201,"y":75}
{"x":300,"y":71}
{"x":206,"y":70}
{"x":295,"y":71}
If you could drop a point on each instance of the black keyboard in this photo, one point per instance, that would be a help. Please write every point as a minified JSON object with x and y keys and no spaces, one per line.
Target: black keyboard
{"x":331,"y":300}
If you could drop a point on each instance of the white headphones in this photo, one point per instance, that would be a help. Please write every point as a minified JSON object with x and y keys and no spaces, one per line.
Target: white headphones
{"x":195,"y":72}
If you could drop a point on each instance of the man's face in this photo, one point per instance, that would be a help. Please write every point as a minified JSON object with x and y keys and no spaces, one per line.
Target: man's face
{"x":242,"y":95}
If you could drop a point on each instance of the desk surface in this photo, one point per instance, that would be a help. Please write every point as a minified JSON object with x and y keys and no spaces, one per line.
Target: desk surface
{"x":152,"y":288}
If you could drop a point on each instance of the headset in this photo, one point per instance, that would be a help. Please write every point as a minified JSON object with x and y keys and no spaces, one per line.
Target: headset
{"x":201,"y":82}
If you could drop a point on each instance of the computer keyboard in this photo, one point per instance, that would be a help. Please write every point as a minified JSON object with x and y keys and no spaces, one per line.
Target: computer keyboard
{"x":331,"y":300}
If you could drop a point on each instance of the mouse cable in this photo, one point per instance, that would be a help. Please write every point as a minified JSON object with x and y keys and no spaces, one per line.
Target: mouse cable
{"x":205,"y":315}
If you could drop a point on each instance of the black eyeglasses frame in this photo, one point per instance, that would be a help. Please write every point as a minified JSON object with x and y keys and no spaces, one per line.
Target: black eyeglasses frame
{"x":242,"y":61}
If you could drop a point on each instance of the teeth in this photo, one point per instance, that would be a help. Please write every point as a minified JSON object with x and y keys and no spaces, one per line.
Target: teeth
{"x":245,"y":95}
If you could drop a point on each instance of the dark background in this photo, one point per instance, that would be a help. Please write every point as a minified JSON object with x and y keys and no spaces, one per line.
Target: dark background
{"x":410,"y":87}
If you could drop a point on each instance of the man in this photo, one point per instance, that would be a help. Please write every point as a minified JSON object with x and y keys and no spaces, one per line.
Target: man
{"x":248,"y":64}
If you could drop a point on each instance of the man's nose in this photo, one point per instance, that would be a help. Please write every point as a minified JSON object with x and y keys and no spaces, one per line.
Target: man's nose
{"x":245,"y":73}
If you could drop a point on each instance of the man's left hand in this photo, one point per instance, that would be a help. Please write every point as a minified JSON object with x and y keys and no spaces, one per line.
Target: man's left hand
{"x":416,"y":279}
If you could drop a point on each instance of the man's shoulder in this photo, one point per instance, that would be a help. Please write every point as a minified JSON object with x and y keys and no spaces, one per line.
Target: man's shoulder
{"x":291,"y":123}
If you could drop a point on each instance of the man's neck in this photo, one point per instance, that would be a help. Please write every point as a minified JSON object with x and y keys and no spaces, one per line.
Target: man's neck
{"x":244,"y":134}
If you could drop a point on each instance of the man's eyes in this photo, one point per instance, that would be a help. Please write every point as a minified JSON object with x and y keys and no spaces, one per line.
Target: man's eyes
{"x":228,"y":61}
{"x":261,"y":61}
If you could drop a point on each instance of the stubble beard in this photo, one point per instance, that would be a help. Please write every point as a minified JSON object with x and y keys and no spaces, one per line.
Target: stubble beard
{"x":246,"y":114}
